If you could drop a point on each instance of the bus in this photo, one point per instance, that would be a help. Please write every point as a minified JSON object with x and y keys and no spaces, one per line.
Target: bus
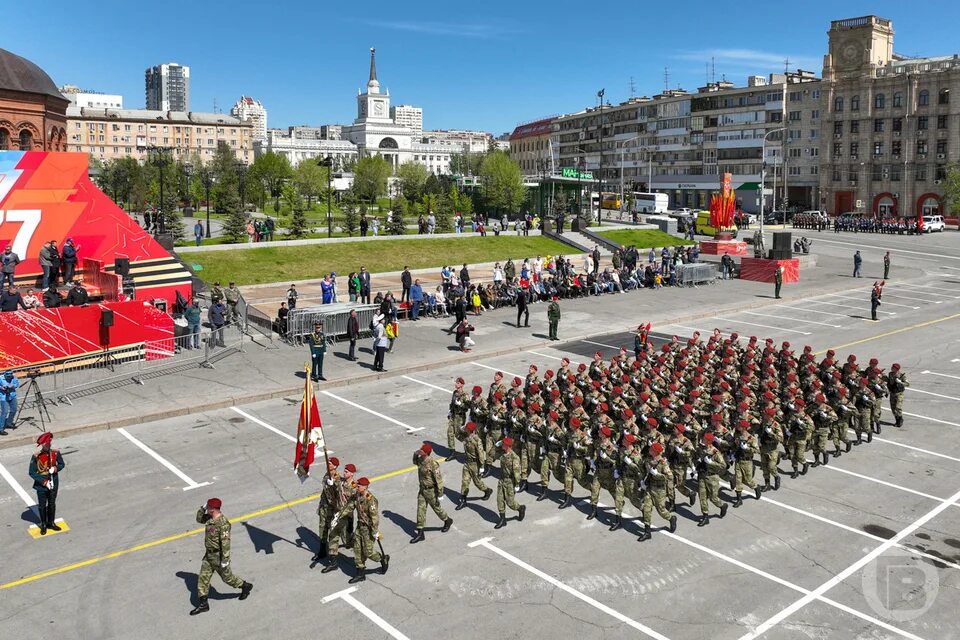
{"x":610,"y":201}
{"x":650,"y":202}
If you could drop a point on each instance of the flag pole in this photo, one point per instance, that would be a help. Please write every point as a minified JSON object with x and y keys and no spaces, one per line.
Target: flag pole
{"x":308,"y":404}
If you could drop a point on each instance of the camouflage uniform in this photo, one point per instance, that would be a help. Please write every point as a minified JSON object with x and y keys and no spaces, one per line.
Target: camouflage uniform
{"x":607,"y":476}
{"x":459,"y":404}
{"x":431,"y":490}
{"x":216,"y":556}
{"x":710,"y":463}
{"x":475,"y":459}
{"x":509,"y":481}
{"x":771,"y":436}
{"x":896,"y":383}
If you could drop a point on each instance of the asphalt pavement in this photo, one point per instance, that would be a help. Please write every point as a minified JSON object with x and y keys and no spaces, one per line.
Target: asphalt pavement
{"x":866,"y":547}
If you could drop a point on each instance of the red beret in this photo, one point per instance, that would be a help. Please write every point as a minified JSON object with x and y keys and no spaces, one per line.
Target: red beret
{"x":477,"y":389}
{"x":629,"y":438}
{"x":656,"y":449}
{"x":427,"y":448}
{"x":534,"y":367}
{"x":554,"y":415}
{"x":214,"y":503}
{"x":517,"y":381}
{"x":743,"y":424}
{"x":628,"y":413}
{"x":577,"y":400}
{"x":604,"y":407}
{"x":895,"y":365}
{"x":771,"y":411}
{"x":644,"y":396}
{"x":652,"y":422}
{"x":548,"y":374}
{"x":363,"y":482}
{"x":617,"y":390}
{"x":687,"y":407}
{"x":507,"y":442}
{"x":565,"y":360}
{"x":534,"y":388}
{"x":471,"y":426}
{"x":334,"y":461}
{"x":768,"y":395}
{"x":851,"y":358}
{"x":681,"y":427}
{"x":581,"y":367}
{"x":498,"y":395}
{"x":575,"y":422}
{"x":596,"y":384}
{"x":708,"y":438}
{"x":820,"y":398}
{"x":605,"y":431}
{"x":535,"y":406}
{"x":350,"y":468}
{"x":518,"y":402}
{"x":498,"y":375}
{"x":597,"y":355}
{"x":459,"y":380}
{"x":800,"y":403}
{"x":554,"y":393}
{"x":874,"y":362}
{"x":44,"y":438}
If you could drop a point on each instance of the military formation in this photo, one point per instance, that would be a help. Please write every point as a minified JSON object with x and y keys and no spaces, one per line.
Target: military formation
{"x":689,"y":419}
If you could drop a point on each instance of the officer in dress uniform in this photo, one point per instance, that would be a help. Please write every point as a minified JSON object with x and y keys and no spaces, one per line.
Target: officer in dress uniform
{"x":45,"y":467}
{"x":318,"y":348}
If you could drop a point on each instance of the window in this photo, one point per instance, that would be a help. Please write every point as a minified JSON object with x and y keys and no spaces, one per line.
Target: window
{"x":855,"y":103}
{"x":941,"y":122}
{"x":775,"y":116}
{"x":854,"y":126}
{"x":836,"y":150}
{"x":878,"y":125}
{"x":898,"y":124}
{"x":923,"y":99}
{"x":794,"y":116}
{"x":923,"y":122}
{"x":838,"y":104}
{"x":794,"y":153}
{"x":943,"y":97}
{"x":921,"y":147}
{"x":879,"y":101}
{"x":895,"y":148}
{"x":941,"y":147}
{"x":836,"y":174}
{"x":793,"y":171}
{"x":878,"y":148}
{"x":852,"y":172}
{"x":854,"y":149}
{"x":941,"y":173}
{"x":838,"y":128}
{"x":814,"y":152}
{"x":921,"y":173}
{"x":815,"y":114}
{"x":814,"y":171}
{"x":813,"y":134}
{"x":897,"y":100}
{"x":877,"y":173}
{"x":895,"y":172}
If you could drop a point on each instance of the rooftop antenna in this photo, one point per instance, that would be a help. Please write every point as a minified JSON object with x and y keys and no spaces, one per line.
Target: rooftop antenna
{"x":633,"y":87}
{"x":713,"y":69}
{"x":786,"y":66}
{"x":666,"y":79}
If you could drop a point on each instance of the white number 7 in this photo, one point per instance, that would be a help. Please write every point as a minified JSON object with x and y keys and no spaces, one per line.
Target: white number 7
{"x":31,"y":220}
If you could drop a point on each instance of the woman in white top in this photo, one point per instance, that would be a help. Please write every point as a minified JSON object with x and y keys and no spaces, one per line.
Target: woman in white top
{"x":30,"y":301}
{"x":441,"y":301}
{"x":497,"y":274}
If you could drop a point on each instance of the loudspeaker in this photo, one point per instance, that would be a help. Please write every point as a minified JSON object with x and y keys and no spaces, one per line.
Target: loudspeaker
{"x":780,"y":254}
{"x":121,"y":266}
{"x":106,"y":318}
{"x":782,"y":240}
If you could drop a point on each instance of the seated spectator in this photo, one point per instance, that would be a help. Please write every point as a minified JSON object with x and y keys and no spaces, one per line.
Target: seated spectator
{"x":11,"y":300}
{"x":30,"y":301}
{"x":440,"y":302}
{"x":51,"y":298}
{"x":78,"y":296}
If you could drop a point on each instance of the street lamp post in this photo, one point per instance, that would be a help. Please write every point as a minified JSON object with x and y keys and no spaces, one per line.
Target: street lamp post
{"x":161,"y":162}
{"x":206,"y":176}
{"x":328,"y":163}
{"x":763,"y":173}
{"x":623,"y":148}
{"x":600,"y":163}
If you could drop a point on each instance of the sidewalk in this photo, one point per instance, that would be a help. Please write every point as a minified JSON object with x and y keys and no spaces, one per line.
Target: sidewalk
{"x":258,"y":374}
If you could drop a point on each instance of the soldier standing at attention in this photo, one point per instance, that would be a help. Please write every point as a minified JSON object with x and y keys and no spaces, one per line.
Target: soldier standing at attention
{"x":216,"y":556}
{"x":318,"y":347}
{"x":777,"y":281}
{"x":328,"y":508}
{"x":368,"y":530}
{"x":473,"y":467}
{"x":886,"y":265}
{"x":456,"y":417}
{"x":553,"y":316}
{"x":710,"y":464}
{"x":45,"y":467}
{"x":658,"y":478}
{"x":431,"y":491}
{"x":896,"y":383}
{"x":509,"y":484}
{"x":744,"y":448}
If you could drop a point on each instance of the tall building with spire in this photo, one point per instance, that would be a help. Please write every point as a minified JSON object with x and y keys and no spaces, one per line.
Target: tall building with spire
{"x":246,"y":108}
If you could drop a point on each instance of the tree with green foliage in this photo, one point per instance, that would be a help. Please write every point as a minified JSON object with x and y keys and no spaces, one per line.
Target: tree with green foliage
{"x":951,"y":190}
{"x":351,"y":213}
{"x":396,"y":225}
{"x":442,"y":208}
{"x":311,"y":180}
{"x":466,"y":164}
{"x":298,"y":219}
{"x":225,"y":193}
{"x":412,"y":177}
{"x":370,"y":178}
{"x":271,"y":170}
{"x":434,"y":185}
{"x":502,"y":182}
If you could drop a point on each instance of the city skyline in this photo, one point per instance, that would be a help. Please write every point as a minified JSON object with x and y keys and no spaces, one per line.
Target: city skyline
{"x":488,"y":70}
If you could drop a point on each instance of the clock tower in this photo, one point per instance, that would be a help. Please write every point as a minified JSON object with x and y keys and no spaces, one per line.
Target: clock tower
{"x":858,"y":45}
{"x":373,"y":106}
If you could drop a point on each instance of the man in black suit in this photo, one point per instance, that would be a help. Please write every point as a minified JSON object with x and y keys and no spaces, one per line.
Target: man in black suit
{"x":364,"y":285}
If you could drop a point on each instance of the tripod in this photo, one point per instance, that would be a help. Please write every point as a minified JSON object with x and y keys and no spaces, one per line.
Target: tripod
{"x":38,"y":400}
{"x":106,"y":359}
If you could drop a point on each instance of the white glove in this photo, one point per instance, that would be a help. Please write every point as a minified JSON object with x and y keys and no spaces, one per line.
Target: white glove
{"x":653,"y":472}
{"x":603,"y":455}
{"x":706,"y":459}
{"x":679,"y":449}
{"x":643,"y":485}
{"x":516,"y":489}
{"x":329,"y":482}
{"x":224,"y":565}
{"x":333,"y":523}
{"x":768,"y":430}
{"x":440,"y":499}
{"x":377,"y":536}
{"x":483,"y":469}
{"x":743,"y":445}
{"x":52,"y":470}
{"x":616,"y":474}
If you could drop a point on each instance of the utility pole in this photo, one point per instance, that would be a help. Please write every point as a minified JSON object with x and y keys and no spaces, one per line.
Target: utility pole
{"x":600,"y":173}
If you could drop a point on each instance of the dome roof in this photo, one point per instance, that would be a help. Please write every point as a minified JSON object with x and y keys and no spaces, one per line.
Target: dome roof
{"x":19,"y":74}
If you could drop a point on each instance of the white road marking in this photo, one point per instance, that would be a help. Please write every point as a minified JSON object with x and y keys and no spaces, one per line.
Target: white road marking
{"x":601,"y":344}
{"x":847,"y":306}
{"x":790,"y":585}
{"x":931,"y":393}
{"x":346,"y":596}
{"x":867,"y":301}
{"x":765,"y":326}
{"x":485,"y":543}
{"x":263,"y":424}
{"x":156,"y":456}
{"x":916,"y":415}
{"x":913,"y":448}
{"x":955,"y":360}
{"x":372,"y":412}
{"x":928,"y":496}
{"x":427,"y":384}
{"x":859,"y":532}
{"x":544,"y":355}
{"x":767,"y":315}
{"x":890,"y":294}
{"x":873,"y":246}
{"x":19,"y":490}
{"x":946,"y":267}
{"x":923,"y":289}
{"x":505,"y":372}
{"x":849,"y":571}
{"x":825,"y":313}
{"x":942,"y":375}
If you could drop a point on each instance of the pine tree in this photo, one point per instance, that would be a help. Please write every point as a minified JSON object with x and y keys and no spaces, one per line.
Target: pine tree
{"x":298,"y":219}
{"x":397,"y":224}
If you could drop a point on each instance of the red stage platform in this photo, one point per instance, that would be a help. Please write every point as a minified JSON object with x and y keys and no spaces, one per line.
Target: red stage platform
{"x":723,"y":247}
{"x":761,"y":269}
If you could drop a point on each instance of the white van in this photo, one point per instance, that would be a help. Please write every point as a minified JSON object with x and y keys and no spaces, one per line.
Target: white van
{"x":933,"y":223}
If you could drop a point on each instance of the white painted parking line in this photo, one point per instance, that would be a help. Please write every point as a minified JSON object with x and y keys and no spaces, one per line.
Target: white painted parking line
{"x":922,"y":289}
{"x":890,"y":294}
{"x":942,"y":375}
{"x":912,"y":448}
{"x":19,"y":490}
{"x":347,"y":596}
{"x":767,"y":315}
{"x":601,"y":344}
{"x":823,"y":313}
{"x":263,"y":424}
{"x":427,"y":384}
{"x":544,"y":355}
{"x":859,"y":532}
{"x":928,"y":256}
{"x":505,"y":372}
{"x":917,"y":415}
{"x":765,"y":326}
{"x":156,"y":456}
{"x":849,"y":571}
{"x":790,"y":585}
{"x":613,"y":613}
{"x":852,"y":307}
{"x":931,"y":393}
{"x":372,"y":412}
{"x":865,"y":301}
{"x":833,"y":467}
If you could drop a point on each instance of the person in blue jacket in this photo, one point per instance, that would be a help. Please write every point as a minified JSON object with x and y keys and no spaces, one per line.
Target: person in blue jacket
{"x":416,"y":299}
{"x":9,"y":384}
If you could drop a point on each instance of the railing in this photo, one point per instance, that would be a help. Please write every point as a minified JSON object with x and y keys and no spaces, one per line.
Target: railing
{"x":603,"y":241}
{"x":300,"y":321}
{"x":696,"y":273}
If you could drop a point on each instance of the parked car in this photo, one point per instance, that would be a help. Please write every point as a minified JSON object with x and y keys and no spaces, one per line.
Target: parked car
{"x":933,"y":223}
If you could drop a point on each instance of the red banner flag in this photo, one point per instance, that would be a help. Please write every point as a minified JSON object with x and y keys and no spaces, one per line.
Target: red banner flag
{"x":309,"y":431}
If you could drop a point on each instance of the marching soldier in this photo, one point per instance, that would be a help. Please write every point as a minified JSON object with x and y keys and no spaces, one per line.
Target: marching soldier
{"x":579,"y":449}
{"x":681,"y":451}
{"x":875,"y":381}
{"x":896,"y":383}
{"x":318,"y":347}
{"x":553,"y":450}
{"x":216,"y":556}
{"x":473,"y":467}
{"x":606,"y":476}
{"x":431,"y":491}
{"x":368,"y":530}
{"x":553,"y":317}
{"x":823,"y":417}
{"x":710,"y":464}
{"x":849,"y":417}
{"x":45,"y":467}
{"x":456,"y":418}
{"x":341,"y":529}
{"x":771,"y":437}
{"x":801,"y":428}
{"x":509,"y":484}
{"x":744,"y":449}
{"x":328,"y":507}
{"x":533,"y":450}
{"x":658,"y":479}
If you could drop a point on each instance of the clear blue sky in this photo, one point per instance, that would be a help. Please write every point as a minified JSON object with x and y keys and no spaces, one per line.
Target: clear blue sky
{"x":477,"y":65}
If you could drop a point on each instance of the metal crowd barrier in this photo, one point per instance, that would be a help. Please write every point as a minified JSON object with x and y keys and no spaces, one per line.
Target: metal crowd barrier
{"x":334,"y":317}
{"x":697,"y":273}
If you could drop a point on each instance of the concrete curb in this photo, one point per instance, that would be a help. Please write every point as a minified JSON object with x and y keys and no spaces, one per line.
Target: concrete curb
{"x":15,"y":440}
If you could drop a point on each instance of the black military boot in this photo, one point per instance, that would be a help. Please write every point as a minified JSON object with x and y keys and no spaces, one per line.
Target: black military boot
{"x":593,"y":512}
{"x":329,"y":566}
{"x":776,"y":482}
{"x":704,"y":520}
{"x":879,"y":428}
{"x":693,"y":498}
{"x":245,"y":590}
{"x":446,"y":525}
{"x":869,"y":436}
{"x":806,"y":467}
{"x":566,"y":501}
{"x":617,"y":523}
{"x":463,"y":501}
{"x":756,"y":492}
{"x":522,"y":514}
{"x":836,"y":452}
{"x":360,"y":577}
{"x":52,"y":518}
{"x":794,"y":473}
{"x":826,"y":457}
{"x":43,"y":520}
{"x":646,"y":533}
{"x":543,"y":493}
{"x":738,"y":501}
{"x":723,"y":511}
{"x":899,"y":423}
{"x":202,"y":607}
{"x":859,"y":438}
{"x":320,"y":554}
{"x":673,"y":524}
{"x":384,"y":563}
{"x":502,"y":522}
{"x":487,"y":493}
{"x":417,"y":537}
{"x":849,"y":446}
{"x":766,"y":485}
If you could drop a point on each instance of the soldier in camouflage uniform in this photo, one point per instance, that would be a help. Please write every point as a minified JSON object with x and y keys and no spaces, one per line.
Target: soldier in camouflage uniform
{"x":744,"y":448}
{"x":896,"y":383}
{"x":771,"y":437}
{"x":823,"y":417}
{"x":681,"y":451}
{"x":800,"y":429}
{"x":509,"y":484}
{"x":473,"y":466}
{"x":849,"y":416}
{"x":216,"y":556}
{"x":456,"y":417}
{"x":658,"y":479}
{"x":367,"y":510}
{"x":864,"y":400}
{"x":431,"y":491}
{"x":875,"y":382}
{"x":554,"y":443}
{"x":607,"y":476}
{"x":579,"y":449}
{"x":710,"y":463}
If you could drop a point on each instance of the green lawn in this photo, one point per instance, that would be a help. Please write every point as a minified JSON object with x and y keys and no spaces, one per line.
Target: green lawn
{"x":282,"y":264}
{"x":642,"y":238}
